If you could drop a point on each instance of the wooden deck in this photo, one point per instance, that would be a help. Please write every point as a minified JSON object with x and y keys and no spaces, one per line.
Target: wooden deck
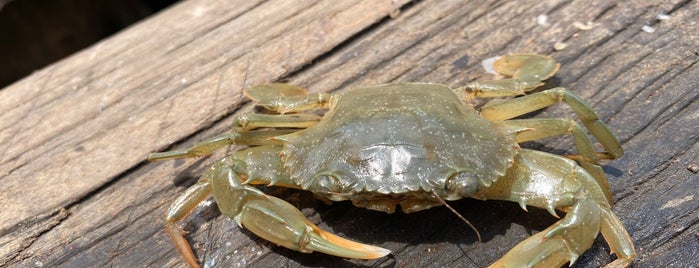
{"x":76,"y":190}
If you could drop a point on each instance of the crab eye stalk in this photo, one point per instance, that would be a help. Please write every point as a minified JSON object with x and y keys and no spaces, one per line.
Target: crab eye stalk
{"x":462,"y":183}
{"x":326,"y":184}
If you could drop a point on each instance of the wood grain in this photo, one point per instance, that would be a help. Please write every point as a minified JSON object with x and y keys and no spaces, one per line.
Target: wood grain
{"x":76,"y":190}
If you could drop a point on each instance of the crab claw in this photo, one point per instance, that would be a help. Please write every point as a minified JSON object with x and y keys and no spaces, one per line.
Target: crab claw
{"x":281,"y":223}
{"x":329,"y":243}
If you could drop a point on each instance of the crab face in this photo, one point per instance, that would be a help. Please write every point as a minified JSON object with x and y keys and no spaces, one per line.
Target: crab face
{"x":413,"y":145}
{"x":394,"y":144}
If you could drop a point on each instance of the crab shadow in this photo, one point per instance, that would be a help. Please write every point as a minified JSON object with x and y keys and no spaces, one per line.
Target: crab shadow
{"x":406,"y":235}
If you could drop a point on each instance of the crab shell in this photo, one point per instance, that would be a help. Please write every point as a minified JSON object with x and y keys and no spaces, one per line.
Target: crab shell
{"x":398,"y":144}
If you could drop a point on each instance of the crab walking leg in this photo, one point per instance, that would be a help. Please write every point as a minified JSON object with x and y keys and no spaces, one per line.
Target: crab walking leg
{"x":547,"y":127}
{"x":552,"y":182}
{"x":495,"y":88}
{"x":285,"y":98}
{"x":270,"y":217}
{"x":251,"y":121}
{"x":184,"y":204}
{"x":506,"y":109}
{"x":210,"y":145}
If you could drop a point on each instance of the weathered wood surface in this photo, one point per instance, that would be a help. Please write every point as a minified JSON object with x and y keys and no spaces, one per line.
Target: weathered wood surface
{"x":76,"y":191}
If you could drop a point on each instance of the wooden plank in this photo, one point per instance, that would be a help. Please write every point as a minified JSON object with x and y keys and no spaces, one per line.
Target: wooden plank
{"x":77,"y":125}
{"x":75,"y":134}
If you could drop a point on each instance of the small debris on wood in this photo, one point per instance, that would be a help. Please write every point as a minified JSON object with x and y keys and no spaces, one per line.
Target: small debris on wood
{"x":648,"y":29}
{"x":394,"y":14}
{"x":560,"y":45}
{"x":677,"y":202}
{"x":662,"y":16}
{"x":694,"y":168}
{"x":584,"y":26}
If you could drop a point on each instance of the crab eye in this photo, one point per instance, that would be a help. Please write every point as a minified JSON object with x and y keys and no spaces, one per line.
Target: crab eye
{"x":326,"y":184}
{"x":463,"y":184}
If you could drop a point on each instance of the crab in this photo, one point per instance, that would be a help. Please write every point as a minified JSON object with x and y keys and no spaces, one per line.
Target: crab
{"x":413,"y":146}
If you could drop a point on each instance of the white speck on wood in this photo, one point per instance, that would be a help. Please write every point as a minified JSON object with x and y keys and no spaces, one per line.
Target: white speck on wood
{"x":677,"y":201}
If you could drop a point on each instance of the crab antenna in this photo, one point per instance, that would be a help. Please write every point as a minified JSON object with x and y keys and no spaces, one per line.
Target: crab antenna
{"x":458,"y":215}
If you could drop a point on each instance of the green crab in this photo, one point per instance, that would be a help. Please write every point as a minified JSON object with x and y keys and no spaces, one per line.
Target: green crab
{"x":412,"y":145}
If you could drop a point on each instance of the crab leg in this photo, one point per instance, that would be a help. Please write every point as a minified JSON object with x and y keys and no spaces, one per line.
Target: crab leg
{"x":184,"y":204}
{"x":528,"y":71}
{"x":547,"y":181}
{"x":282,"y":98}
{"x":506,"y":109}
{"x":270,"y":217}
{"x":285,"y":98}
{"x":251,"y":121}
{"x":210,"y":145}
{"x":531,"y":69}
{"x":547,"y":127}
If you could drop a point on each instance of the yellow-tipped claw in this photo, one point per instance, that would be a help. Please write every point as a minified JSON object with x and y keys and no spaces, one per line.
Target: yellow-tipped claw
{"x":279,"y":222}
{"x":329,"y":243}
{"x":283,"y":224}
